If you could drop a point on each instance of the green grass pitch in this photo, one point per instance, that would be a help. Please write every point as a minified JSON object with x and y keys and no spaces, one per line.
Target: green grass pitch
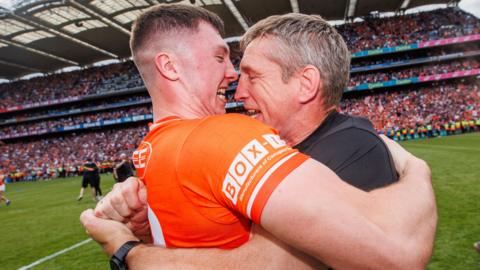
{"x":44,"y":216}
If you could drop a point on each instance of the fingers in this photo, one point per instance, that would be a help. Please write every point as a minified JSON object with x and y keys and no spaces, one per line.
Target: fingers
{"x":86,"y":218}
{"x":130,"y":192}
{"x":123,"y":201}
{"x":140,"y":216}
{"x":105,"y":209}
{"x":109,"y":234}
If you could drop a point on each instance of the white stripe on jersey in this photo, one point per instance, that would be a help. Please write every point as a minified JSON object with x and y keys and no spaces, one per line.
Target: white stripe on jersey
{"x":263,"y":180}
{"x":156,"y":229}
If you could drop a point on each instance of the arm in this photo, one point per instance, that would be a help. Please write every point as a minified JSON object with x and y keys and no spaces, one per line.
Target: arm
{"x":256,"y":254}
{"x":389,"y":228}
{"x":346,"y":219}
{"x":126,"y":203}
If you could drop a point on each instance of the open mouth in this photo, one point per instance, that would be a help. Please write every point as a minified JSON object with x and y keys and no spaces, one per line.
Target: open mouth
{"x":221,"y":94}
{"x":252,"y":113}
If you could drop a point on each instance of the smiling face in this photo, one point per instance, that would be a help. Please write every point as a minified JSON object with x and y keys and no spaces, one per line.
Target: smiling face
{"x":206,"y":69}
{"x":266,"y":96}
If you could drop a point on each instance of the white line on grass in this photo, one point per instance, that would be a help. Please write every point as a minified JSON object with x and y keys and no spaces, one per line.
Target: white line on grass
{"x":55,"y":254}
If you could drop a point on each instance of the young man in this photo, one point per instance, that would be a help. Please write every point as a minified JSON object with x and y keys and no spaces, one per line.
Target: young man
{"x":3,"y":189}
{"x":230,"y":168}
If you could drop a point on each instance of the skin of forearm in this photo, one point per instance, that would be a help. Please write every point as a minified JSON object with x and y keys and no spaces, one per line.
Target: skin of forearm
{"x":263,"y":251}
{"x":355,"y":232}
{"x":408,"y":210}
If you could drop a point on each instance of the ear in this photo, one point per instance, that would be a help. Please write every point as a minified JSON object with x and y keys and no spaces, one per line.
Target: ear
{"x":309,"y":83}
{"x":165,"y":65}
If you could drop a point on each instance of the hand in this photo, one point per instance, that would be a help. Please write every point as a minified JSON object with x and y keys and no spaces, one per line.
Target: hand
{"x":127,"y":203}
{"x":110,"y":234}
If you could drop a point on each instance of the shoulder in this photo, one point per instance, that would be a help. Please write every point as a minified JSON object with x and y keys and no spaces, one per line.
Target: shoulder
{"x":233,"y":121}
{"x":228,"y":129}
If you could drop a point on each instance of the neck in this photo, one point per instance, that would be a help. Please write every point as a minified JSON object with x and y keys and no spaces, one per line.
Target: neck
{"x":304,"y":124}
{"x":173,"y":101}
{"x":162,"y":109}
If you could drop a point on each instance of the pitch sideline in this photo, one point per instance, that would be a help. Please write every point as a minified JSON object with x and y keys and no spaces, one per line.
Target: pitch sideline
{"x":55,"y":254}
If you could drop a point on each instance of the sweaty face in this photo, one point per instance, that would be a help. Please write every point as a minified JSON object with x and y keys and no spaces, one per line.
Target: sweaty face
{"x":265,"y":95}
{"x":207,"y":70}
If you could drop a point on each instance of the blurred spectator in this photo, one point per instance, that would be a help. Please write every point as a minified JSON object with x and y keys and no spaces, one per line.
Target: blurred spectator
{"x":123,"y":169}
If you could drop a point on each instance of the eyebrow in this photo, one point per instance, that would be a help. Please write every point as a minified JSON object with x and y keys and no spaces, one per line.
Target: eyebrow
{"x":246,"y":68}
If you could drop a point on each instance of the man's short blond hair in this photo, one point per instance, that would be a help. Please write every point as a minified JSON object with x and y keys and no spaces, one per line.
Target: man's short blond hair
{"x":303,"y":40}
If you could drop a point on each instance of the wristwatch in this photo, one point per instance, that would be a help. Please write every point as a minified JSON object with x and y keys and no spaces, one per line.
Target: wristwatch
{"x":117,"y":262}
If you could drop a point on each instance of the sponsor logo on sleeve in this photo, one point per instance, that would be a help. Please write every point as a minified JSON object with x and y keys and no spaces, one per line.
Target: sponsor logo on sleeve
{"x":245,"y":162}
{"x":140,"y":158}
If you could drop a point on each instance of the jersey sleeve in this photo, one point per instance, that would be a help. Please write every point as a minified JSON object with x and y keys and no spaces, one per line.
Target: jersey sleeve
{"x":239,"y":160}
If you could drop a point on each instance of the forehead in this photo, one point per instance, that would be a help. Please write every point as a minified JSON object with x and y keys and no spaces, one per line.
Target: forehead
{"x":257,"y":54}
{"x":208,"y":37}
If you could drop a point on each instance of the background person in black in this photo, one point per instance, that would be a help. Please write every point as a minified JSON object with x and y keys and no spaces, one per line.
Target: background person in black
{"x":123,"y":170}
{"x":90,"y":177}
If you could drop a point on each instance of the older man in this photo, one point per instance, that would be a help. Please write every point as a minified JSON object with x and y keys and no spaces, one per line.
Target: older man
{"x":281,"y":47}
{"x":185,"y":67}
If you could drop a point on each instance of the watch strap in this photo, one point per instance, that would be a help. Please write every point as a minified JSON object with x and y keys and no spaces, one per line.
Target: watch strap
{"x":119,"y":257}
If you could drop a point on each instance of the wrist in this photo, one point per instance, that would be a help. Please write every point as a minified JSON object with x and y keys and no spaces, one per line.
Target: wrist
{"x":115,"y":246}
{"x":133,"y":255}
{"x":118,"y":261}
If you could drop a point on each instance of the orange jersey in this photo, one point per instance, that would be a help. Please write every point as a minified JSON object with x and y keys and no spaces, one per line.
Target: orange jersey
{"x":206,"y":178}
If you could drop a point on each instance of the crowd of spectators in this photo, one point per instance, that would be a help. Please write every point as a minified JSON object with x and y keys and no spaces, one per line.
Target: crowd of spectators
{"x":412,"y":55}
{"x":369,"y":34}
{"x":75,"y":108}
{"x":443,"y":106}
{"x":445,"y":103}
{"x":76,"y":83}
{"x":376,"y":32}
{"x":73,"y":120}
{"x":39,"y":159}
{"x":416,"y":71}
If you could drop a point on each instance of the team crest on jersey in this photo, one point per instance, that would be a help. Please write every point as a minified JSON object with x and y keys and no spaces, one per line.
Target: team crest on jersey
{"x":140,"y":158}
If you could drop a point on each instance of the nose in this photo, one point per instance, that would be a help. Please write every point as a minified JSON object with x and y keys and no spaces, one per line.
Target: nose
{"x":241,"y":93}
{"x":231,"y":74}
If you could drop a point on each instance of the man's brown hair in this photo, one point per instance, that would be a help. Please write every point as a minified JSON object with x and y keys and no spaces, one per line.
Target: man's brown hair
{"x":165,"y":18}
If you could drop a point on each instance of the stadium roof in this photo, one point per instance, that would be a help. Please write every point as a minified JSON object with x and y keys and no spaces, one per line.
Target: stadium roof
{"x":47,"y":35}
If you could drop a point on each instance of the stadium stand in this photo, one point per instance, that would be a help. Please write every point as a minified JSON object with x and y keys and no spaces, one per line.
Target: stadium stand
{"x":415,"y":76}
{"x":377,"y":32}
{"x":437,"y":110}
{"x":412,"y":72}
